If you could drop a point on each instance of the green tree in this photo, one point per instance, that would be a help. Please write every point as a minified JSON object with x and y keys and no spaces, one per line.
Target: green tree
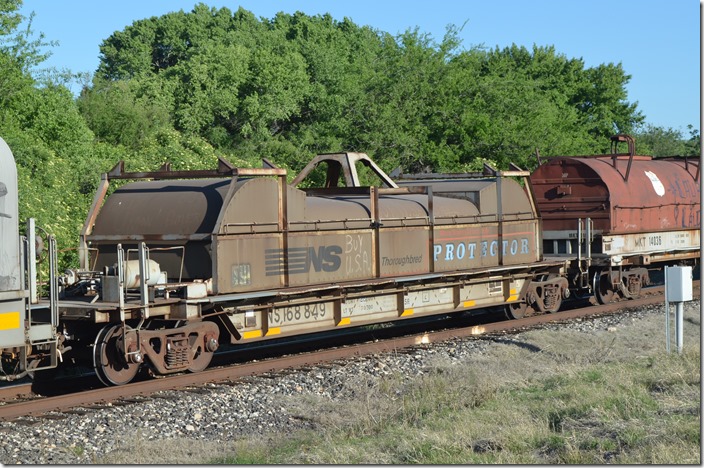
{"x":49,"y":138}
{"x":504,"y":103}
{"x":660,"y":141}
{"x":126,"y":112}
{"x":296,"y":85}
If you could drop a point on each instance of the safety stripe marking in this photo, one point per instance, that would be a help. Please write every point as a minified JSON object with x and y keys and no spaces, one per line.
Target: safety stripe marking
{"x":252,"y":334}
{"x":343,"y":321}
{"x":513,"y":296}
{"x":273,"y":331}
{"x":9,"y":320}
{"x":470,"y":303}
{"x":407,"y":312}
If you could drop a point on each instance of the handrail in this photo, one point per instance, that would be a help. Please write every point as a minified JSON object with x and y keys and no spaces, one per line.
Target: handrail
{"x":224,"y":169}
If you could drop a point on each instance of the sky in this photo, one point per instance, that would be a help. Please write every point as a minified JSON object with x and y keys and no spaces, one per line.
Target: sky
{"x":657,"y":42}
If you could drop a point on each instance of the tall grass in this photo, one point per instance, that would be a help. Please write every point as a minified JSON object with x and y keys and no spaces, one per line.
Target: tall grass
{"x":548,"y":397}
{"x":544,"y":397}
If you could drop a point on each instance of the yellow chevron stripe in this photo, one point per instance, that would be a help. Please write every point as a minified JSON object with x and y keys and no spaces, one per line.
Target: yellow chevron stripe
{"x":344,"y":321}
{"x":407,"y":312}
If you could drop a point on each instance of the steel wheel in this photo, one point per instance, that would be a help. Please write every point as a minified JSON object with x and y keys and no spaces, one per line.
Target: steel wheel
{"x":518,"y":310}
{"x":603,"y":289}
{"x":201,"y":356}
{"x":108,"y":361}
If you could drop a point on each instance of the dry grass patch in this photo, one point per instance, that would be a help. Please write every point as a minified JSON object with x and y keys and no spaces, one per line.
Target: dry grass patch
{"x":165,"y":452}
{"x":545,"y":396}
{"x":609,"y":396}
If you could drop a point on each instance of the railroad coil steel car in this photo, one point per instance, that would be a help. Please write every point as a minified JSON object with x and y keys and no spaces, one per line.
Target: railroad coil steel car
{"x":176,"y":263}
{"x":614,"y":216}
{"x":240,"y":255}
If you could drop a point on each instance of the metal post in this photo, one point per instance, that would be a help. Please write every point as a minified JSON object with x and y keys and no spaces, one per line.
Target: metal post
{"x":143,"y":278}
{"x":121,"y":281}
{"x":579,"y":243}
{"x":283,"y":224}
{"x":53,"y":282}
{"x":679,"y":332}
{"x":667,"y":317}
{"x":590,"y":237}
{"x":431,"y":228}
{"x":500,"y":216}
{"x":375,"y":224}
{"x":32,"y":261}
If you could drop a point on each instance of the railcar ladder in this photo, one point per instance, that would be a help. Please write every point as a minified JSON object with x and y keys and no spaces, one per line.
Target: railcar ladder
{"x":42,"y":321}
{"x":585,"y":235}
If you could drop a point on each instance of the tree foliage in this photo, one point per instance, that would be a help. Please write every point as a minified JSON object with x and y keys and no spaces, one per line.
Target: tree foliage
{"x":296,"y":85}
{"x":659,"y":141}
{"x":48,"y":136}
{"x":188,"y":87}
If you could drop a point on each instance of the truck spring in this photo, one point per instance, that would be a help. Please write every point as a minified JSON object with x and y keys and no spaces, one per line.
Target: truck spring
{"x":552,"y":294}
{"x":177,"y":354}
{"x":634,"y":284}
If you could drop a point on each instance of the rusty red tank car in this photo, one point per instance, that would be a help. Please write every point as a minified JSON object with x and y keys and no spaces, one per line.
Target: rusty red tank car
{"x":617,"y":215}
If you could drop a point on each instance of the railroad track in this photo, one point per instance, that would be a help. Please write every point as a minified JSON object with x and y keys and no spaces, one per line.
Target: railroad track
{"x":19,"y":400}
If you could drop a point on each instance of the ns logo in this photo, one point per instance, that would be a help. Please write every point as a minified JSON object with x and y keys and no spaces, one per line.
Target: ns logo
{"x":303,"y":259}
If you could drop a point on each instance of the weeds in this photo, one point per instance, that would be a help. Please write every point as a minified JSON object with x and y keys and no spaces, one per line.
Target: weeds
{"x":565,"y":397}
{"x":580,"y":417}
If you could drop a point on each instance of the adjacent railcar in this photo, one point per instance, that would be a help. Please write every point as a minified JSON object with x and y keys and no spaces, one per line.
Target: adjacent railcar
{"x":28,"y":339}
{"x":615,"y":216}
